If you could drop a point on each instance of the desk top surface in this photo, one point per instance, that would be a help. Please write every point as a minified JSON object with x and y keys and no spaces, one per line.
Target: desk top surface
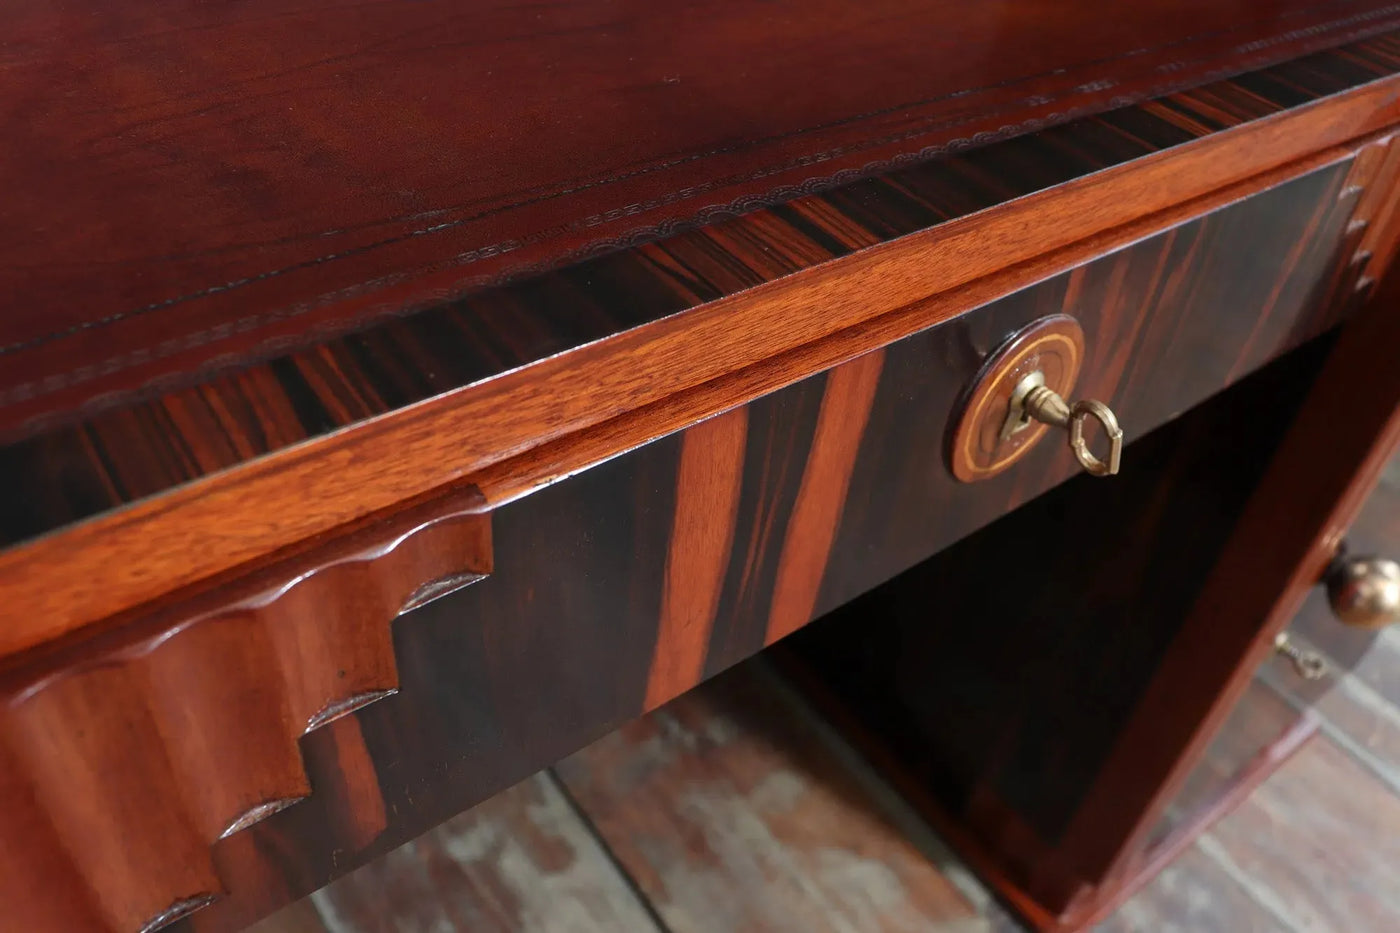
{"x":110,"y":488}
{"x":191,"y":187}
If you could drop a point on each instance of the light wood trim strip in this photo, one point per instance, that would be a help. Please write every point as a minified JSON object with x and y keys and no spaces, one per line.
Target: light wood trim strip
{"x":708,"y":481}
{"x":850,"y":393}
{"x":90,"y":571}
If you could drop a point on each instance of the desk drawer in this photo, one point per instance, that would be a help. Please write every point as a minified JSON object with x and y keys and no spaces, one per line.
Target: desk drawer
{"x":677,"y":560}
{"x":618,"y":588}
{"x":1355,"y":691}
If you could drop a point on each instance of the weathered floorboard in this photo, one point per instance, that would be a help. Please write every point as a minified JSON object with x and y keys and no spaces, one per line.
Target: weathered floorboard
{"x":732,"y":809}
{"x":1191,"y":895}
{"x":733,"y":813}
{"x":522,"y":862}
{"x":1320,"y":841}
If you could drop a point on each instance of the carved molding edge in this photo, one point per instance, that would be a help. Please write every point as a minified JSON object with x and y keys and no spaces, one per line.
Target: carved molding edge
{"x":124,"y":760}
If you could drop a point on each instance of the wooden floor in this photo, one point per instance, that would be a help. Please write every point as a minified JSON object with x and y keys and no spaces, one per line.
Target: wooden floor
{"x":734,"y":809}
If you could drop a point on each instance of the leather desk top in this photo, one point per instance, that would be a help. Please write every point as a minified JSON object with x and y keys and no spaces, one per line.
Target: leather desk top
{"x":194,"y":186}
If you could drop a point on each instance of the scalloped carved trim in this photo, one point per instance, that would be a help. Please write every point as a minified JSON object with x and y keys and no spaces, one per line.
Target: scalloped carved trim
{"x":178,"y":911}
{"x":337,"y":708}
{"x":260,"y":812}
{"x":130,"y":755}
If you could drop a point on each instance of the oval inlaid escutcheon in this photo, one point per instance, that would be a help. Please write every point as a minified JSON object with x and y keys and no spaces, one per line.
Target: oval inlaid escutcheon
{"x":979,"y":445}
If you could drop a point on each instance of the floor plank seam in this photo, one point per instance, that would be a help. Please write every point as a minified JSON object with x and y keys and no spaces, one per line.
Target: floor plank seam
{"x":1349,"y":744}
{"x":1257,"y":891}
{"x":882,"y":795}
{"x":1358,"y":752}
{"x":582,"y":815}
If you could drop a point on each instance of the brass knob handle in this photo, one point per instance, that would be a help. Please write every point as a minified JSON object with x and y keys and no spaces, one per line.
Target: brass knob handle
{"x":1364,"y":591}
{"x":1032,"y":399}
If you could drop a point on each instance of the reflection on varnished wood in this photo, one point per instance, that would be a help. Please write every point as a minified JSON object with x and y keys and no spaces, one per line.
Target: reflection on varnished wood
{"x":735,"y":809}
{"x":125,"y":764}
{"x":152,"y":230}
{"x":830,"y":487}
{"x":833,"y":485}
{"x":1001,"y":673}
{"x":108,"y":458}
{"x":730,"y":809}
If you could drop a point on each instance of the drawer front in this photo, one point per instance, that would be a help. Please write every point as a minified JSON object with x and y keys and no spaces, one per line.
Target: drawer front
{"x":618,"y":588}
{"x":1002,"y":675}
{"x":1356,"y":696}
{"x":1342,"y":680}
{"x":1168,"y":322}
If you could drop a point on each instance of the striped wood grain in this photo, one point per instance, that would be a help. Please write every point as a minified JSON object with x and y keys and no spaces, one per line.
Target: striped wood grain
{"x":834,"y":312}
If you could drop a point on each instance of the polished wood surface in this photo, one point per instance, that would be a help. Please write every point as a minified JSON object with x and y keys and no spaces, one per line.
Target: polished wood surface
{"x":1150,"y":358}
{"x":127,"y":760}
{"x":649,"y":465}
{"x":1230,"y":779}
{"x":633,"y":387}
{"x":1264,"y":719}
{"x":779,"y":510}
{"x":1375,"y":531}
{"x":598,"y":437}
{"x":729,"y":809}
{"x":192,"y":186}
{"x":1330,"y":460}
{"x":733,"y":784}
{"x":978,"y":445}
{"x":1001,"y":675}
{"x":1324,"y":823}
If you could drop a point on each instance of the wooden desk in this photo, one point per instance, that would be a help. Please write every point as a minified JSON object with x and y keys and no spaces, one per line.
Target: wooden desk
{"x":603,"y":397}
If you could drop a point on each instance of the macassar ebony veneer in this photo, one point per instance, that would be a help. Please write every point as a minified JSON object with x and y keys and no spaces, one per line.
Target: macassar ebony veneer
{"x":997,"y":677}
{"x":280,"y":599}
{"x":113,"y":505}
{"x":1066,"y":729}
{"x":595,"y":598}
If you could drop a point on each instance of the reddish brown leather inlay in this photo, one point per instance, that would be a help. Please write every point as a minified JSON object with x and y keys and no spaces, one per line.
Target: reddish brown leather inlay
{"x":197,"y":184}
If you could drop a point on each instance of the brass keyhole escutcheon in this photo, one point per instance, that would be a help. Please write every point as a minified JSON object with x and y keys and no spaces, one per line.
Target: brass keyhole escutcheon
{"x":1019,"y":394}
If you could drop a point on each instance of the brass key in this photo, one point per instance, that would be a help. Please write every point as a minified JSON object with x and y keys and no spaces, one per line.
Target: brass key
{"x":1308,"y":664}
{"x":1032,"y":400}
